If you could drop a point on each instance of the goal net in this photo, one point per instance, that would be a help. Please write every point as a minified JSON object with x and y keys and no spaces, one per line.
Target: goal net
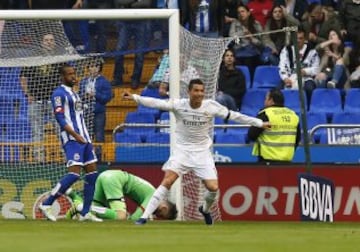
{"x":31,"y":158}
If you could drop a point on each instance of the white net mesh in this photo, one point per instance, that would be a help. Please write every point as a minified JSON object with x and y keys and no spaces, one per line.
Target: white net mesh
{"x":31,"y":158}
{"x":200,"y":58}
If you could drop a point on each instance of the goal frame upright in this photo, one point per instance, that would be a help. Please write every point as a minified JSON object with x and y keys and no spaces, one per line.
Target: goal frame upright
{"x":172,"y":15}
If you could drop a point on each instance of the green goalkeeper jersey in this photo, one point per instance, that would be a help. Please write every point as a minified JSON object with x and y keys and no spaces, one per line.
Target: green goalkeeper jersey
{"x":112,"y":186}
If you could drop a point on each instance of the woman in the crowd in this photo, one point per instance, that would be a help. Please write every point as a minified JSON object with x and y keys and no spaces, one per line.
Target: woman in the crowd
{"x":333,"y":71}
{"x":231,"y":82}
{"x":278,"y":19}
{"x":248,"y":47}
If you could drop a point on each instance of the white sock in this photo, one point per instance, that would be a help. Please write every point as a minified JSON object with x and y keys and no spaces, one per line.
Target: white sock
{"x":209,"y":199}
{"x":159,"y":194}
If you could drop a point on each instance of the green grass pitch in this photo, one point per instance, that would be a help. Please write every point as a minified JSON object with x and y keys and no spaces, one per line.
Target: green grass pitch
{"x":38,"y":236}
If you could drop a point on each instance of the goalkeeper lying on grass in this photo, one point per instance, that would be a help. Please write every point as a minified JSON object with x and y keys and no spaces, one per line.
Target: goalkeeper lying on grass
{"x":111,"y":188}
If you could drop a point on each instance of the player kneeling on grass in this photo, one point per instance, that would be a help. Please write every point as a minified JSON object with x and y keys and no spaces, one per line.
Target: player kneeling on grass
{"x":112,"y":186}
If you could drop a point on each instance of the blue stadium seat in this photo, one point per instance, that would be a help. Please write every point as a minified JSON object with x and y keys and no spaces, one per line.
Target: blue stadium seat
{"x":245,"y":70}
{"x":266,"y":77}
{"x":165,"y":115}
{"x":323,"y":139}
{"x":140,"y":118}
{"x":161,"y":138}
{"x":237,"y":130}
{"x":19,"y":130}
{"x":7,"y":107}
{"x":327,"y":101}
{"x":253,"y":101}
{"x":292,"y":100}
{"x":151,"y":92}
{"x":164,"y":119}
{"x":229,"y":138}
{"x":155,"y":112}
{"x":352,"y":100}
{"x":346,"y":118}
{"x":219,"y":121}
{"x":313,"y":119}
{"x":127,"y":138}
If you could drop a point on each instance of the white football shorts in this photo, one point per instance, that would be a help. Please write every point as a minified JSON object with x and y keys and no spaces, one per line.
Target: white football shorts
{"x":200,"y":162}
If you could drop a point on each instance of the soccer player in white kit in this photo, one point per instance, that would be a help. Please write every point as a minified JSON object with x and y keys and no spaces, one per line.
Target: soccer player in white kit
{"x":194,"y":120}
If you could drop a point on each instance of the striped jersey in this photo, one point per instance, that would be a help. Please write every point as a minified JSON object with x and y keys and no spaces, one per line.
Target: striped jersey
{"x":68,"y":110}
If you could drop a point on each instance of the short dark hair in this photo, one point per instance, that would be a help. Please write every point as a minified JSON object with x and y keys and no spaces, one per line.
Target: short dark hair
{"x":172,"y":214}
{"x":195,"y":82}
{"x":63,"y":67}
{"x":99,"y":62}
{"x":277,"y":96}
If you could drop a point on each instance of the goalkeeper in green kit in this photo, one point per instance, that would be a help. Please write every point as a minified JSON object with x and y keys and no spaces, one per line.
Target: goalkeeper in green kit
{"x":111,"y":188}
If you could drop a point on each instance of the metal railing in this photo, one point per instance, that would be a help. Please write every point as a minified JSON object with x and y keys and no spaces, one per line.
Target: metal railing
{"x":331,"y":126}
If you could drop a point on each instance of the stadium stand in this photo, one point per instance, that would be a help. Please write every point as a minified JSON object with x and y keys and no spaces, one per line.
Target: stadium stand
{"x":245,"y":70}
{"x":352,"y":101}
{"x":158,"y":137}
{"x":266,"y":77}
{"x":313,"y":119}
{"x":253,"y":101}
{"x":327,"y":101}
{"x":229,"y":138}
{"x":127,"y":138}
{"x":292,"y":99}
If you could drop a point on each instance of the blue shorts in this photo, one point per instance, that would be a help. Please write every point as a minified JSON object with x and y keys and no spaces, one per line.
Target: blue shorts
{"x":79,"y":154}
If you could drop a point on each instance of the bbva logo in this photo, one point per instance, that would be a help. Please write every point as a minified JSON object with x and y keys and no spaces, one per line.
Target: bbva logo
{"x":316,"y":198}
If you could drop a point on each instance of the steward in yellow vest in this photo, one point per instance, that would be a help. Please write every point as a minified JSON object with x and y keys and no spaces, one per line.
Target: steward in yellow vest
{"x":280,"y":141}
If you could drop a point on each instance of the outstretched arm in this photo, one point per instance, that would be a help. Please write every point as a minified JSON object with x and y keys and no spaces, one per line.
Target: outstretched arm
{"x":149,"y":101}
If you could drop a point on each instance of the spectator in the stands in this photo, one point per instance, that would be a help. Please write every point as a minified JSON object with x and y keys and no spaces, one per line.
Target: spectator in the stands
{"x":160,"y":71}
{"x":137,"y":31}
{"x":248,"y":47}
{"x":95,"y":90}
{"x":319,"y":22}
{"x":354,"y":65}
{"x":229,"y":14}
{"x":295,"y":8}
{"x":37,"y":83}
{"x":260,"y":10}
{"x":278,"y":19}
{"x":97,"y":28}
{"x":203,"y":17}
{"x":333,"y":70}
{"x":231,"y":83}
{"x":309,"y":63}
{"x":349,"y":16}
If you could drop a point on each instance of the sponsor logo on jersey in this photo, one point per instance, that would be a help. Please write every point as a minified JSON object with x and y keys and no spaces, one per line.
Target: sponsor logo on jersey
{"x":57,"y":101}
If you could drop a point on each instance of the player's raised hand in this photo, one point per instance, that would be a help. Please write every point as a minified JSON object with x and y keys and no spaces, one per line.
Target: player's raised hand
{"x":127,"y":96}
{"x":266,"y":125}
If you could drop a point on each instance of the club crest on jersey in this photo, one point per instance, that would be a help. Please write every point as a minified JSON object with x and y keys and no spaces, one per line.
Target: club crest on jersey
{"x":76,"y":156}
{"x":57,"y":101}
{"x":78,"y":106}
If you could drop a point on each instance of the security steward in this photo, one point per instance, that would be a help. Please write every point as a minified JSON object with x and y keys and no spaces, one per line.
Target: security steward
{"x":278,"y":144}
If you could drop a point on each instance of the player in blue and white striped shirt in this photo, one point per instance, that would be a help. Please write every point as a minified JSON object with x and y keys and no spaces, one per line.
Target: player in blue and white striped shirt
{"x":76,"y":142}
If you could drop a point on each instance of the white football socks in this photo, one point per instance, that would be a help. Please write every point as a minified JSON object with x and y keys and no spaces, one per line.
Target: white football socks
{"x":159,"y":194}
{"x":209,"y":199}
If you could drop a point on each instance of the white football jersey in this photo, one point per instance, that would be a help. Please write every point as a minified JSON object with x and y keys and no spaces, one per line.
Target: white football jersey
{"x":193,"y":126}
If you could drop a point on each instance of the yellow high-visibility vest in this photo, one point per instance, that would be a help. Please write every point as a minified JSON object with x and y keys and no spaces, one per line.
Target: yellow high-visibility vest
{"x":278,"y":142}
